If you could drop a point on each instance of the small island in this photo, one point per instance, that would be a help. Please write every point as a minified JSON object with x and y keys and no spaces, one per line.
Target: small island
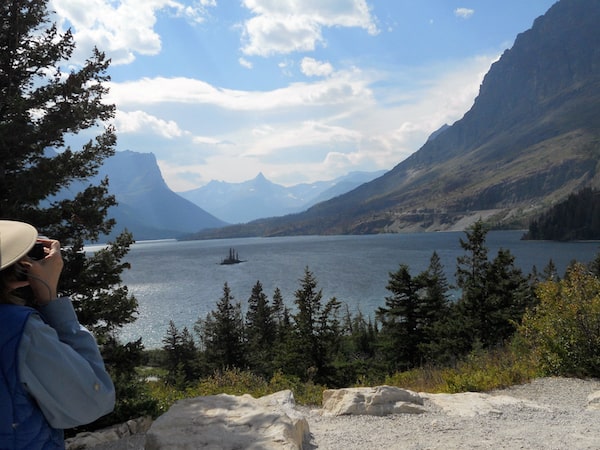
{"x":233,"y":258}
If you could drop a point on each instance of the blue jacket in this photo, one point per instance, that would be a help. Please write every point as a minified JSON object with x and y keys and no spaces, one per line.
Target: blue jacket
{"x":54,"y":363}
{"x":22,"y":424}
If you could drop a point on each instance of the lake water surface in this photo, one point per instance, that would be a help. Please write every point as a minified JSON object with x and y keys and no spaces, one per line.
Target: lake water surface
{"x":183,"y":280}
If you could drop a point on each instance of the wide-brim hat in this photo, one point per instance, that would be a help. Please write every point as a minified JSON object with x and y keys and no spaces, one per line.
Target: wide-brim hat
{"x":16,"y":239}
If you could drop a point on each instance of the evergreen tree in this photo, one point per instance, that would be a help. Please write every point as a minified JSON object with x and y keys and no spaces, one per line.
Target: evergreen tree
{"x":44,"y":98}
{"x":40,"y":106}
{"x":471,"y":274}
{"x":550,"y":272}
{"x":283,"y":351}
{"x":329,"y":331}
{"x":508,"y":296}
{"x":356,"y":358}
{"x":171,"y":344}
{"x":260,"y":332}
{"x":278,"y":308}
{"x":434,"y":306}
{"x":181,"y":356}
{"x":400,"y":334}
{"x":222,"y":332}
{"x":312,"y":344}
{"x":495,"y":294}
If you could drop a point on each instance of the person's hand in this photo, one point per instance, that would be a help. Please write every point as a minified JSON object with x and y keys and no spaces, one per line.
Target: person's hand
{"x":43,"y":275}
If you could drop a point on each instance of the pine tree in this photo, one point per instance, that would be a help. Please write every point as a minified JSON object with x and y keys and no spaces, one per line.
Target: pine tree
{"x":470,"y":277}
{"x":40,"y":106}
{"x":400,"y":333}
{"x":509,"y":294}
{"x":311,"y":345}
{"x":433,"y":308}
{"x":43,"y":99}
{"x":221,"y":334}
{"x":308,"y":302}
{"x":495,"y":294}
{"x":260,"y":332}
{"x":283,"y":351}
{"x":171,"y":345}
{"x":278,"y":308}
{"x":181,"y":356}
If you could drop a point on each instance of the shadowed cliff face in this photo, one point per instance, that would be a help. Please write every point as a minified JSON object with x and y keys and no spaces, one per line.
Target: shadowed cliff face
{"x":531,"y":138}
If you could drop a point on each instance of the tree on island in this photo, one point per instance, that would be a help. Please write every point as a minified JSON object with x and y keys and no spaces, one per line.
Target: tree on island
{"x":44,"y":99}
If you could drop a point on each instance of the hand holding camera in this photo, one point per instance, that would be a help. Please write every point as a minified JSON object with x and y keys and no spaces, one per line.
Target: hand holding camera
{"x":43,"y":268}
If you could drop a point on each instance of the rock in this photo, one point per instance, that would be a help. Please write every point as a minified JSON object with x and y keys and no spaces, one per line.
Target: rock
{"x":228,"y":422}
{"x":374,"y":401}
{"x":471,"y":404}
{"x":98,"y":438}
{"x":593,"y":401}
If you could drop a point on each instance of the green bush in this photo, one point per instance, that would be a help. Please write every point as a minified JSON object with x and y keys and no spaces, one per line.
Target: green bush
{"x":237,"y":382}
{"x":563,"y":331}
{"x":482,"y":370}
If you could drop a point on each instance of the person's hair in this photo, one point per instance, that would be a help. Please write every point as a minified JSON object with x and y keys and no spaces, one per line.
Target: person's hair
{"x":7,"y":295}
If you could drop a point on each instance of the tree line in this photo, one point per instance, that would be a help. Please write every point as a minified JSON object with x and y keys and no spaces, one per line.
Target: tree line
{"x":575,"y":218}
{"x":322,"y":341}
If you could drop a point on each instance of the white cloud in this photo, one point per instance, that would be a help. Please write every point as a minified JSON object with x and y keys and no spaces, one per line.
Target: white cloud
{"x":285,"y":26}
{"x":245,"y":63}
{"x":313,"y":68}
{"x":351,"y":120}
{"x":121,"y":28}
{"x":464,"y":13}
{"x":340,"y":88}
{"x":306,"y":134}
{"x":136,"y":121}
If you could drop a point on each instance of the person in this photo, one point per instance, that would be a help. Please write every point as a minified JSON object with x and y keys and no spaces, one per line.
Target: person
{"x":52,"y":375}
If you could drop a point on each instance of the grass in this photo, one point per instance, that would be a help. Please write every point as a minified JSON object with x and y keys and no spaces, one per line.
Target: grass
{"x":480,"y":371}
{"x":237,"y":382}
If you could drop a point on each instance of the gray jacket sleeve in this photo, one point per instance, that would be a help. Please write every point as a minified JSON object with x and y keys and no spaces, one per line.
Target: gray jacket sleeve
{"x":61,"y":367}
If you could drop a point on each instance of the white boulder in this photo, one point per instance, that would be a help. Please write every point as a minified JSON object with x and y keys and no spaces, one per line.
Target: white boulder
{"x":228,"y":422}
{"x":471,"y":404}
{"x":374,"y":401}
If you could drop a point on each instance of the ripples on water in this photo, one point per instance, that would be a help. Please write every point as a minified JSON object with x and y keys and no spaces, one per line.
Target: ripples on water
{"x":182,"y":281}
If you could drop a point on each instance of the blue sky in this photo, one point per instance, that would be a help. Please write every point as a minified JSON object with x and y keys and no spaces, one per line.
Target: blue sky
{"x":300,"y":90}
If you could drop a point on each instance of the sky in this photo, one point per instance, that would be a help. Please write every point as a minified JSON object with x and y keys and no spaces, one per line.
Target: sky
{"x":298,"y":90}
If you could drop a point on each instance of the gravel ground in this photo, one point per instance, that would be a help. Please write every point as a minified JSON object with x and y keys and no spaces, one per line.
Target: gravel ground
{"x":559,"y":421}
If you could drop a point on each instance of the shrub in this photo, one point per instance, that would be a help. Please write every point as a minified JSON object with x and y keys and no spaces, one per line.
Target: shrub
{"x":563,"y":331}
{"x":482,"y":370}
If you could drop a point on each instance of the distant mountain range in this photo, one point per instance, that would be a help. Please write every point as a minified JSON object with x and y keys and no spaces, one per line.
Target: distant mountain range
{"x":151,"y":210}
{"x":146,"y":205}
{"x":531,"y":138}
{"x":259,"y":198}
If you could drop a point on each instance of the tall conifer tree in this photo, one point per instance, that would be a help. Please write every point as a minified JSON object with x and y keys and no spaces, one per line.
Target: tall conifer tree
{"x":221,"y":334}
{"x":260,"y":332}
{"x":44,"y":98}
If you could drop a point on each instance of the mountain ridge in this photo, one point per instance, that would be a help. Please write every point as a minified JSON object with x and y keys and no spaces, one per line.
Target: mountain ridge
{"x":530,"y":139}
{"x":146,"y":206}
{"x":259,"y":197}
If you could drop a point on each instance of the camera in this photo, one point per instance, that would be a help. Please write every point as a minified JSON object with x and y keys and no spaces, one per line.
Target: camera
{"x":37,"y":252}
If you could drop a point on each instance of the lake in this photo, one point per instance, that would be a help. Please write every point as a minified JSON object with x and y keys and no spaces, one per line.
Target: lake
{"x":183,"y":280}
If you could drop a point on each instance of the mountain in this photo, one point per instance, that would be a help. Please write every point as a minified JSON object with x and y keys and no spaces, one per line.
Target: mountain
{"x":531,"y":138}
{"x":146,"y":205}
{"x":258,"y":198}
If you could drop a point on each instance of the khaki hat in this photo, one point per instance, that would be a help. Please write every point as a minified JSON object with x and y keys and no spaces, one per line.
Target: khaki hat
{"x":16,"y":239}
